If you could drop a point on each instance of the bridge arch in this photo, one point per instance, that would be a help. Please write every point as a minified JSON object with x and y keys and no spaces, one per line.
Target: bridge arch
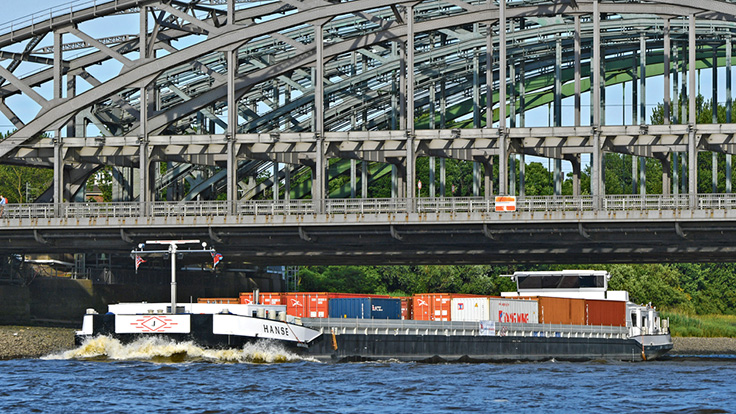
{"x":274,"y":94}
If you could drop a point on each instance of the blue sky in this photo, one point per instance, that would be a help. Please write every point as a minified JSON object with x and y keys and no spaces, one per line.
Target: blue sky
{"x":26,"y":7}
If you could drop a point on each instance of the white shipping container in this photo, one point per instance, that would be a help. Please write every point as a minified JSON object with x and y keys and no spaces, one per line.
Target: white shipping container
{"x":514,"y":310}
{"x":469,"y":309}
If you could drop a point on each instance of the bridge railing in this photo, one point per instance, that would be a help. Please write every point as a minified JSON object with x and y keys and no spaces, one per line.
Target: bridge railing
{"x":344,"y":206}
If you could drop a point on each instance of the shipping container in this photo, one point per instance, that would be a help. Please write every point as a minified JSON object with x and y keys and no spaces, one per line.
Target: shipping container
{"x":605,"y":312}
{"x":271,"y":298}
{"x":218,"y":300}
{"x":470,"y":309}
{"x":435,"y":306}
{"x":432,"y":306}
{"x":307,"y":304}
{"x":562,"y":311}
{"x":406,"y":308}
{"x":246,"y":298}
{"x":514,"y":310}
{"x":337,"y":295}
{"x":365,"y":308}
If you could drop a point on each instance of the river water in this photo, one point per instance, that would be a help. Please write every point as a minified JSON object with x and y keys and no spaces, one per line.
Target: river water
{"x":160,"y":376}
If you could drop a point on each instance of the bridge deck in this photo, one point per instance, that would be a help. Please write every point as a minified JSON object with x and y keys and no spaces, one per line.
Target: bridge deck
{"x":381,"y":231}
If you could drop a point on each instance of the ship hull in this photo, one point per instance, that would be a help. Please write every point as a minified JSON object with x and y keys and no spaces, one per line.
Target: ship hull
{"x":441,"y":348}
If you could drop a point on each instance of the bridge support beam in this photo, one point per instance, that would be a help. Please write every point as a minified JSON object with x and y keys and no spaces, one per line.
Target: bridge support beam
{"x":319,"y":183}
{"x":502,"y":133}
{"x":675,"y":173}
{"x":643,"y":79}
{"x":353,"y":177}
{"x":728,"y":108}
{"x":232,"y":125}
{"x":488,"y":177}
{"x":578,"y":70}
{"x":432,"y":188}
{"x":411,"y":164}
{"x":144,"y":166}
{"x":58,"y":173}
{"x":364,"y":179}
{"x":667,"y":73}
{"x":443,"y":172}
{"x":597,"y":156}
{"x":575,"y":162}
{"x":666,"y":174}
{"x":692,"y":156}
{"x":642,"y":176}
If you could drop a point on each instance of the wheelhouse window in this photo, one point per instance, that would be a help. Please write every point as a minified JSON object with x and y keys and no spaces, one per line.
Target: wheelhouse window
{"x":561,"y":282}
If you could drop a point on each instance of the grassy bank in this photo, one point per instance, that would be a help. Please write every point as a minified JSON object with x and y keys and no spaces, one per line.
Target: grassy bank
{"x":712,"y":326}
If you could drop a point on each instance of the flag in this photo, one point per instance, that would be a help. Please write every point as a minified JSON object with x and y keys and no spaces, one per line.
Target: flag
{"x":138,"y":261}
{"x":216,"y":257}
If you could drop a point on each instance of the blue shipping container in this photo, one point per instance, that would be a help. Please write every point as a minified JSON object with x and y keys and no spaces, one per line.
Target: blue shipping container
{"x":365,"y":308}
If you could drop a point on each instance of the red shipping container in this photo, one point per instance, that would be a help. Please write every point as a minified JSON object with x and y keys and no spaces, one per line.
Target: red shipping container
{"x":356,"y":295}
{"x":406,"y":308}
{"x":605,"y":312}
{"x":307,"y":305}
{"x":271,"y":298}
{"x":246,"y":298}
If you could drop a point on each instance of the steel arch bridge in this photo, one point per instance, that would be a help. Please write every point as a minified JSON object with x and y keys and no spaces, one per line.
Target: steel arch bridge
{"x":244,"y":86}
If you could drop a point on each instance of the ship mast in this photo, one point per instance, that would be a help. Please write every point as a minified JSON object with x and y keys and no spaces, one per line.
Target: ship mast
{"x":172,"y":251}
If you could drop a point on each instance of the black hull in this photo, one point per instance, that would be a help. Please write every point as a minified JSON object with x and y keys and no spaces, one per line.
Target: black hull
{"x":441,"y":348}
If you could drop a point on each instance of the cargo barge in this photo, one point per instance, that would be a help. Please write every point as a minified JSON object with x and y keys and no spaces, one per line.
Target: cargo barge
{"x":567,"y":315}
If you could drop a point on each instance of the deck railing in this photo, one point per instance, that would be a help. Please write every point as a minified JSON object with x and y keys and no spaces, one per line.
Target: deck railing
{"x":392,"y":327}
{"x":357,"y":206}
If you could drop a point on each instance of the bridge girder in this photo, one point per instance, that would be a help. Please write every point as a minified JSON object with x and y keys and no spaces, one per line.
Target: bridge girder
{"x":148,"y":108}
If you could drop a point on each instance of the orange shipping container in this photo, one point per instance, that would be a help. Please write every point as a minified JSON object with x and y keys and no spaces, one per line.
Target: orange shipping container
{"x":307,"y":305}
{"x":432,"y":306}
{"x":356,"y":295}
{"x":605,"y":312}
{"x":563,"y":311}
{"x":271,"y":298}
{"x":246,"y":298}
{"x":218,"y":300}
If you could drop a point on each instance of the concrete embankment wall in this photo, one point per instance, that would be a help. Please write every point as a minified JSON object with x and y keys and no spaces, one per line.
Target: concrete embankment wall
{"x":63,"y":301}
{"x":15,"y":305}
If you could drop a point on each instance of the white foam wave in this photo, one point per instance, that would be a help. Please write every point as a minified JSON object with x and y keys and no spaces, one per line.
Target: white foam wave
{"x":160,"y":349}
